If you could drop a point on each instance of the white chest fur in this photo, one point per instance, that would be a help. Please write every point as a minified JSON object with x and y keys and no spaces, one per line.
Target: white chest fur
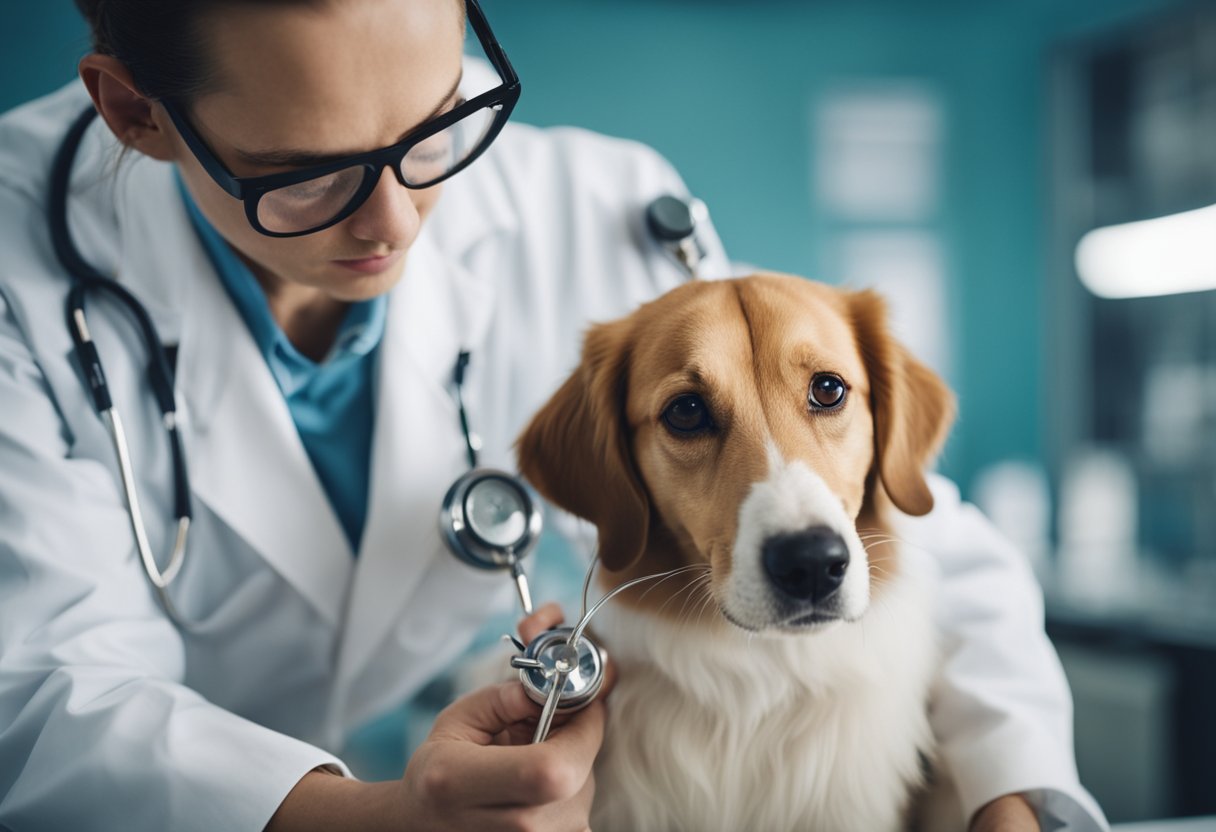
{"x":710,"y":730}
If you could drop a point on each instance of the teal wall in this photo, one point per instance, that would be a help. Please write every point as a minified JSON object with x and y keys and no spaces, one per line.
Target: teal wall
{"x":725,"y":89}
{"x":42,"y":41}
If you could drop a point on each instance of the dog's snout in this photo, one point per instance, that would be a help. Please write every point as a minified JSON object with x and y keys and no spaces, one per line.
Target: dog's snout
{"x":808,"y":565}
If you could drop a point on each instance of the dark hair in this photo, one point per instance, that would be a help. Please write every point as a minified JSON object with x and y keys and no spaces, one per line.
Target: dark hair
{"x":161,"y":41}
{"x":157,"y":40}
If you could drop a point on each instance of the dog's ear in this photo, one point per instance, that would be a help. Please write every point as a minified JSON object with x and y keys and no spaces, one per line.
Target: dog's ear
{"x":576,"y":450}
{"x":912,"y":407}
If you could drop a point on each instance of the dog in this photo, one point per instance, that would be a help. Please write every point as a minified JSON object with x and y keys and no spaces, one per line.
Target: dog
{"x":759,"y":434}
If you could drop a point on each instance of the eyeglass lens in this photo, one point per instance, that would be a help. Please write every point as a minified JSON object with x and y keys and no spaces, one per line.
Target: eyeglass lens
{"x":315,"y":202}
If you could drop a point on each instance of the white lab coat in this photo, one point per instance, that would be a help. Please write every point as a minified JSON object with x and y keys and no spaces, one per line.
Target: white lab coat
{"x":112,"y":719}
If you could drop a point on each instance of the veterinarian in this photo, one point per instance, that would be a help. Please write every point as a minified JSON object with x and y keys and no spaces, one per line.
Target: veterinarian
{"x":312,"y":321}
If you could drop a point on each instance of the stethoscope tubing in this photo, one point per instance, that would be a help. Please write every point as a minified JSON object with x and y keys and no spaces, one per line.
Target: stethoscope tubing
{"x":87,"y":278}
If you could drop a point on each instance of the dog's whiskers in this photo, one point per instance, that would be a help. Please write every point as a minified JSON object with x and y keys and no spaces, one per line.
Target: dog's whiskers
{"x":587,"y":614}
{"x":696,"y":589}
{"x":872,"y":533}
{"x":874,"y":567}
{"x":688,"y":586}
{"x":707,"y":603}
{"x":684,"y":569}
{"x":878,"y":536}
{"x":875,"y":539}
{"x":704,"y":599}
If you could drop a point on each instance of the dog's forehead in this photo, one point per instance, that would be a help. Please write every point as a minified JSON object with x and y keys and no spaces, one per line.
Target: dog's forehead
{"x":709,"y":326}
{"x":805,"y":320}
{"x":698,"y":325}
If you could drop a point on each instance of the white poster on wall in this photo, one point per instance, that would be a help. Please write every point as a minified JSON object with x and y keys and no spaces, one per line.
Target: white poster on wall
{"x":908,"y":268}
{"x":878,"y":153}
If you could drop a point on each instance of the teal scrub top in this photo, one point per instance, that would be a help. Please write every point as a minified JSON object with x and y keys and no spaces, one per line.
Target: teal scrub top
{"x":331,"y":401}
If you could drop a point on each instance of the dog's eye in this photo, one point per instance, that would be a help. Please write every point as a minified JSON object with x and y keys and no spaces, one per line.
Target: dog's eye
{"x":827,"y":391}
{"x":687,"y":414}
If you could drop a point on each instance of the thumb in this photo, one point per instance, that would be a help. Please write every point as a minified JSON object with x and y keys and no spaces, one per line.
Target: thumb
{"x":479,"y":716}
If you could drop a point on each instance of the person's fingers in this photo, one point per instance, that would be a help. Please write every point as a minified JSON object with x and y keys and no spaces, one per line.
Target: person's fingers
{"x":543,"y":618}
{"x":479,"y":716}
{"x":610,"y":674}
{"x":573,"y":813}
{"x":519,"y":775}
{"x":579,"y":740}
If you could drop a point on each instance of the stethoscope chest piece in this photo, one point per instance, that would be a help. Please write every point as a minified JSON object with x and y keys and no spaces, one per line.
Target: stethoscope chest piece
{"x":490,"y":520}
{"x":549,"y":657}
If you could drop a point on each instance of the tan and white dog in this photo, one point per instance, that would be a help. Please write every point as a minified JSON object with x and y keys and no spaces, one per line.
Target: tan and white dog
{"x":759,"y":432}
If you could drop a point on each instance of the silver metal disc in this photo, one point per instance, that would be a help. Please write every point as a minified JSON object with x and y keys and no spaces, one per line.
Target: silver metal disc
{"x":584,"y":663}
{"x":497,"y":512}
{"x":489,"y":519}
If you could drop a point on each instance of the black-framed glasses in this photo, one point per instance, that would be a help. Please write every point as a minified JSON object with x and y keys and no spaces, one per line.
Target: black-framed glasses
{"x":299,"y":202}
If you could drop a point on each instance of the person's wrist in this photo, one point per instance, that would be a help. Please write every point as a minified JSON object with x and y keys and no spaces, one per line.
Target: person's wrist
{"x":1008,"y":813}
{"x":325,"y":800}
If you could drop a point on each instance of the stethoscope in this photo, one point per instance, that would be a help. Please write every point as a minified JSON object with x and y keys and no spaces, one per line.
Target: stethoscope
{"x":489,"y":518}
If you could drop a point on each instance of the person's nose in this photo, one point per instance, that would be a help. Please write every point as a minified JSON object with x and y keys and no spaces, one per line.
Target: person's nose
{"x":389,"y":215}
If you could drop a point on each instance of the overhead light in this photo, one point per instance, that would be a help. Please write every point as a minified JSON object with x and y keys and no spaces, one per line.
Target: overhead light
{"x":1163,"y":256}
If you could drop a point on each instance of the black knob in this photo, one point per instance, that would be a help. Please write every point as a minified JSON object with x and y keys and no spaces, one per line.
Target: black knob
{"x":670,"y":219}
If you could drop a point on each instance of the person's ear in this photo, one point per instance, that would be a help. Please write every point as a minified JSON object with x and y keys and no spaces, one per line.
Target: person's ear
{"x":132,"y":117}
{"x":912,"y":407}
{"x":576,"y":450}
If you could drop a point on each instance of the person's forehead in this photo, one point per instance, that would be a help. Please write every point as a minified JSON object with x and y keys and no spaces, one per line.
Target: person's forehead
{"x":330,"y":75}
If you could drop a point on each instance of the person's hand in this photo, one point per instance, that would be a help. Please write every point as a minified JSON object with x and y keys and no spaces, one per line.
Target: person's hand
{"x":1008,"y":813}
{"x":479,"y":771}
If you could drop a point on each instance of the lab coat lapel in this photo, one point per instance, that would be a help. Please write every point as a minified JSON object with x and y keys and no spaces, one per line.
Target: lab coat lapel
{"x":250,"y":467}
{"x":244,"y":456}
{"x":418,"y":449}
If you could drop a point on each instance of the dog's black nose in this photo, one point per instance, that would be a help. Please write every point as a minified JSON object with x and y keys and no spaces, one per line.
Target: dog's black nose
{"x":808,"y":565}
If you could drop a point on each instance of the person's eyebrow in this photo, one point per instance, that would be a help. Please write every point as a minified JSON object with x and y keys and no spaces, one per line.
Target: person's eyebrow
{"x":288,"y":157}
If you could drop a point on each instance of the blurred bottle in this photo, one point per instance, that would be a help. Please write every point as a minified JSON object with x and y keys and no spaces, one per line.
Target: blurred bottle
{"x":1177,"y":406}
{"x":1015,"y":496}
{"x":1097,"y":525}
